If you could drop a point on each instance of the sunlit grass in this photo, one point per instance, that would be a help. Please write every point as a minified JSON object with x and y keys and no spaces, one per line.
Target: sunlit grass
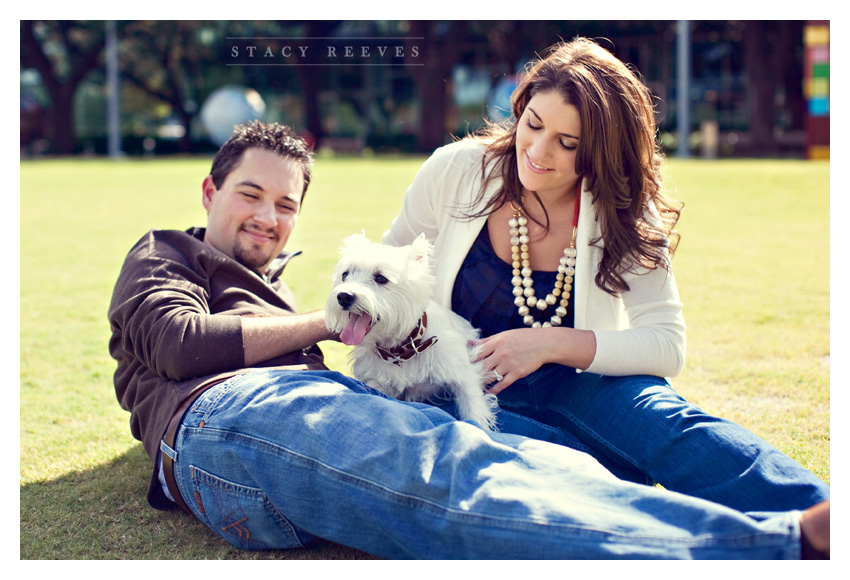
{"x":753,"y":271}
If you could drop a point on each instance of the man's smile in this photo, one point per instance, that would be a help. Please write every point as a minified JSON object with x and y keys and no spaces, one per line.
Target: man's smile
{"x":258,"y":236}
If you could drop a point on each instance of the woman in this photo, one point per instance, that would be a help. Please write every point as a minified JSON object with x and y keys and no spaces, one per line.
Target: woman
{"x":553,"y":237}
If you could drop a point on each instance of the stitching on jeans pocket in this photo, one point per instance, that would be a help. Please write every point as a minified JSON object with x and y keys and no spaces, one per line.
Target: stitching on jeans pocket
{"x":240,"y":514}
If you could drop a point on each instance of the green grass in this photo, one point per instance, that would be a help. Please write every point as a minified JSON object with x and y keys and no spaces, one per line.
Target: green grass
{"x":753,"y":272}
{"x":752,"y":268}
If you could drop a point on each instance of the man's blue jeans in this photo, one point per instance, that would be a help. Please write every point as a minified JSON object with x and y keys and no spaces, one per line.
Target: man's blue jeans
{"x":272,"y":459}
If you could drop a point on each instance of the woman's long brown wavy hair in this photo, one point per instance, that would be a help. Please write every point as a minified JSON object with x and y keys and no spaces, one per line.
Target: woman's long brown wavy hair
{"x":617,"y":153}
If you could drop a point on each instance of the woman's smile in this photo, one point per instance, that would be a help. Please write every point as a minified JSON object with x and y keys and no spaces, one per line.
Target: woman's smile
{"x":535,"y":167}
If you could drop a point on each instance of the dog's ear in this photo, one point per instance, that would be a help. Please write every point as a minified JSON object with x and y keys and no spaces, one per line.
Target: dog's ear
{"x":356,"y":240}
{"x":420,"y":249}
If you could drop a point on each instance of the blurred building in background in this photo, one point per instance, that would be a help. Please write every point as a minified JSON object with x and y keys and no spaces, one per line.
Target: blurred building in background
{"x":757,"y":88}
{"x":816,"y":88}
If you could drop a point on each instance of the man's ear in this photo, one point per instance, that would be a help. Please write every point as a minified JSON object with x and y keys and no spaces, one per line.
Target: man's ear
{"x":207,"y":190}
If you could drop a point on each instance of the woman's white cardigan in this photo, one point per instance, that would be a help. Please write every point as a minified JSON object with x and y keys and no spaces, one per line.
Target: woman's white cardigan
{"x":642,"y":331}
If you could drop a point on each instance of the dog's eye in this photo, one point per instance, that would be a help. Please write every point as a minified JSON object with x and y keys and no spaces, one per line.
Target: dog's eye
{"x":344,"y":275}
{"x":380,"y":279}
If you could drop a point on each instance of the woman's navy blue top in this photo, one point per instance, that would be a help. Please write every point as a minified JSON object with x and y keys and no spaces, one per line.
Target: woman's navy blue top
{"x":483,"y":293}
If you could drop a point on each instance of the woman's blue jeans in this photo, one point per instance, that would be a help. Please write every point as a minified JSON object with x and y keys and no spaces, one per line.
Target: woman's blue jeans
{"x":272,"y":459}
{"x":644,"y":431}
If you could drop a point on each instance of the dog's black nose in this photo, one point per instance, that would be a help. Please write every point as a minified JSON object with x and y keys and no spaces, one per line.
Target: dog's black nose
{"x":345,"y":299}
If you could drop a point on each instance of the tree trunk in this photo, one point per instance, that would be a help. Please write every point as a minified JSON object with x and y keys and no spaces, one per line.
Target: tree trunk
{"x":310,"y":97}
{"x":760,"y":87}
{"x":442,"y":43}
{"x":59,"y":128}
{"x":59,"y":116}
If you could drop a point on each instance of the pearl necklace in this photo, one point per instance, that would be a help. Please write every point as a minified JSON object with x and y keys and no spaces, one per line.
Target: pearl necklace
{"x":523,"y":290}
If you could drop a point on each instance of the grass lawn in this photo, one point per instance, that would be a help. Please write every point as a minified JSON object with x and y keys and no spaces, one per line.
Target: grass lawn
{"x":752,"y":268}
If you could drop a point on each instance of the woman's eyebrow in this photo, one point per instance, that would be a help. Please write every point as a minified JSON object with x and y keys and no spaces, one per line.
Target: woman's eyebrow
{"x":541,"y":120}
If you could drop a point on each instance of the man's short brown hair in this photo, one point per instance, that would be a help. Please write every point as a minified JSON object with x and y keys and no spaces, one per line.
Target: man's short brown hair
{"x":274,"y":137}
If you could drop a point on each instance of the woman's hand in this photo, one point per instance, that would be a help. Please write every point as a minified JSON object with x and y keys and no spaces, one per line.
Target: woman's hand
{"x":515,"y":354}
{"x":512,"y":354}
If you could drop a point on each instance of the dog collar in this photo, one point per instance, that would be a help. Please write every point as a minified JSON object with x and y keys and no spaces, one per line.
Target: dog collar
{"x":410,"y":347}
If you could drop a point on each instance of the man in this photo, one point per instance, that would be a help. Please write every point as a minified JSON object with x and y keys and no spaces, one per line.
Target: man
{"x":249,"y":432}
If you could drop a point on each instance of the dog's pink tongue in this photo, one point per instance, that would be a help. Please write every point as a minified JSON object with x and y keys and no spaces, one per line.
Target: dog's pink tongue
{"x":357,"y":327}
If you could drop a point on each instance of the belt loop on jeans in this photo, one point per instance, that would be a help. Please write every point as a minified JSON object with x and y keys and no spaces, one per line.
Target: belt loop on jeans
{"x":170,"y":435}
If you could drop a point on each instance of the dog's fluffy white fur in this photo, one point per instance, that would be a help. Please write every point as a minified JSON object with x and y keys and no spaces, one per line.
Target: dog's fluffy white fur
{"x":378,"y":297}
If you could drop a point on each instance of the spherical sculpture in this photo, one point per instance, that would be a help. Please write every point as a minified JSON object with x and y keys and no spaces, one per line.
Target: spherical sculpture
{"x":227,"y":107}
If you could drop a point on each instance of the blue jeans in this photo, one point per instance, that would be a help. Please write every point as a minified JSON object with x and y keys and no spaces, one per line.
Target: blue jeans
{"x":644,"y":431}
{"x":273,"y":459}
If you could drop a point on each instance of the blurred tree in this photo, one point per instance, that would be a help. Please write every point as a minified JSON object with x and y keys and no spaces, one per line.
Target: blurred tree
{"x":443,"y":43}
{"x":312,"y":81}
{"x":169,"y":60}
{"x":63,"y":52}
{"x":770,"y":72}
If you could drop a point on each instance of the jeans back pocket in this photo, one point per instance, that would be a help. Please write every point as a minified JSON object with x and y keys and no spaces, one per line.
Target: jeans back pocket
{"x":242,"y":515}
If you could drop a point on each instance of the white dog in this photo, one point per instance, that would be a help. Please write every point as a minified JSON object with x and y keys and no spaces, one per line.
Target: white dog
{"x":405,"y":345}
